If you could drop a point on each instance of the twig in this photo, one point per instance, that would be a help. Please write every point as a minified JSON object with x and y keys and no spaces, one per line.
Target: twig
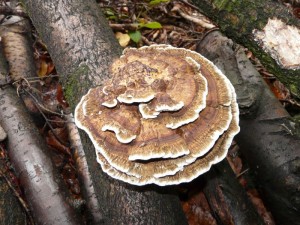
{"x":145,"y":40}
{"x":200,"y":21}
{"x":19,"y":84}
{"x":82,"y":168}
{"x":123,"y":27}
{"x":189,"y":4}
{"x":36,"y":101}
{"x":208,"y":32}
{"x":242,"y":173}
{"x":287,"y":129}
{"x":45,"y":117}
{"x":39,"y":106}
{"x":291,"y":101}
{"x":21,"y":200}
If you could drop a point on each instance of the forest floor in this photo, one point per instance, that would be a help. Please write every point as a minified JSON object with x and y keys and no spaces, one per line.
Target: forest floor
{"x":135,"y":24}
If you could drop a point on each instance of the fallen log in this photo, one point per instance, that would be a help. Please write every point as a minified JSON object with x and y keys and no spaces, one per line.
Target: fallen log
{"x":227,"y":198}
{"x":267,"y":28}
{"x":266,"y":138}
{"x":10,"y":209}
{"x":82,"y":47}
{"x":29,"y":155}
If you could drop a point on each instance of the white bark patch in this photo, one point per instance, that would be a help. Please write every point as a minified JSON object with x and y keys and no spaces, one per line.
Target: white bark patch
{"x":282,"y":42}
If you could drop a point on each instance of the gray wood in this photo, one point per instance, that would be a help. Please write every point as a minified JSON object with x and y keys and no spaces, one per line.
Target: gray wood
{"x":29,"y":157}
{"x":10,"y":209}
{"x":266,"y":138}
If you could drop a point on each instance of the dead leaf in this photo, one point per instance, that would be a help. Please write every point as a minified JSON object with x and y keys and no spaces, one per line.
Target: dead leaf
{"x":56,"y":144}
{"x":122,"y":38}
{"x":43,"y":68}
{"x":197,"y":210}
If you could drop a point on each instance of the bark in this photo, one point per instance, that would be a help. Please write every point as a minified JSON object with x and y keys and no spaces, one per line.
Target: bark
{"x":266,"y":137}
{"x":84,"y":175}
{"x":17,"y":49}
{"x":34,"y":169}
{"x":227,"y":198}
{"x":83,"y":46}
{"x":11,"y":211}
{"x":245,"y":21}
{"x":27,"y":150}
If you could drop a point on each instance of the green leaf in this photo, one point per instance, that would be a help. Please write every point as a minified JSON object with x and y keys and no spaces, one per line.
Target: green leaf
{"x":151,"y":25}
{"x":156,"y":2}
{"x":112,"y":17}
{"x":135,"y":36}
{"x":109,"y":12}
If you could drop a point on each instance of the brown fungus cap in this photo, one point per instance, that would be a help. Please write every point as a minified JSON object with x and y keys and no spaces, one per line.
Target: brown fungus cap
{"x":192,"y":170}
{"x":165,"y":117}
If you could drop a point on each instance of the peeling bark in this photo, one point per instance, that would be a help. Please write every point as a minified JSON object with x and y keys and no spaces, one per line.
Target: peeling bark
{"x":273,"y":39}
{"x":82,"y":47}
{"x":242,"y":20}
{"x":265,"y":139}
{"x":17,"y":49}
{"x":16,"y":46}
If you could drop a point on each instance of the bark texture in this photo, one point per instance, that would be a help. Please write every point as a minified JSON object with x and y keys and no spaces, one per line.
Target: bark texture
{"x":227,"y":199}
{"x":83,"y":46}
{"x":27,"y":150}
{"x":11,"y":211}
{"x":266,"y":137}
{"x":34,"y":168}
{"x":84,"y":175}
{"x":239,"y":19}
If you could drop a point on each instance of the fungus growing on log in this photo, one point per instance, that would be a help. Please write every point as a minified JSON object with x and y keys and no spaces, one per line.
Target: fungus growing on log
{"x":165,"y":117}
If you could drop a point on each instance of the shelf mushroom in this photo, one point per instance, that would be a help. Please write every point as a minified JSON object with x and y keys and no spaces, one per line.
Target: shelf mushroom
{"x":165,"y":117}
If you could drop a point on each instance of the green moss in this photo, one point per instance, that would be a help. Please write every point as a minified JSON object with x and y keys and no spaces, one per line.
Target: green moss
{"x":220,"y":4}
{"x":236,"y":6}
{"x":237,"y":20}
{"x":225,"y":4}
{"x":294,"y":88}
{"x":74,"y":85}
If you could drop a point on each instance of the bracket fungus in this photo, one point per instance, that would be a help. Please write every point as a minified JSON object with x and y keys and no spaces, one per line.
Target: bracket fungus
{"x":165,"y":117}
